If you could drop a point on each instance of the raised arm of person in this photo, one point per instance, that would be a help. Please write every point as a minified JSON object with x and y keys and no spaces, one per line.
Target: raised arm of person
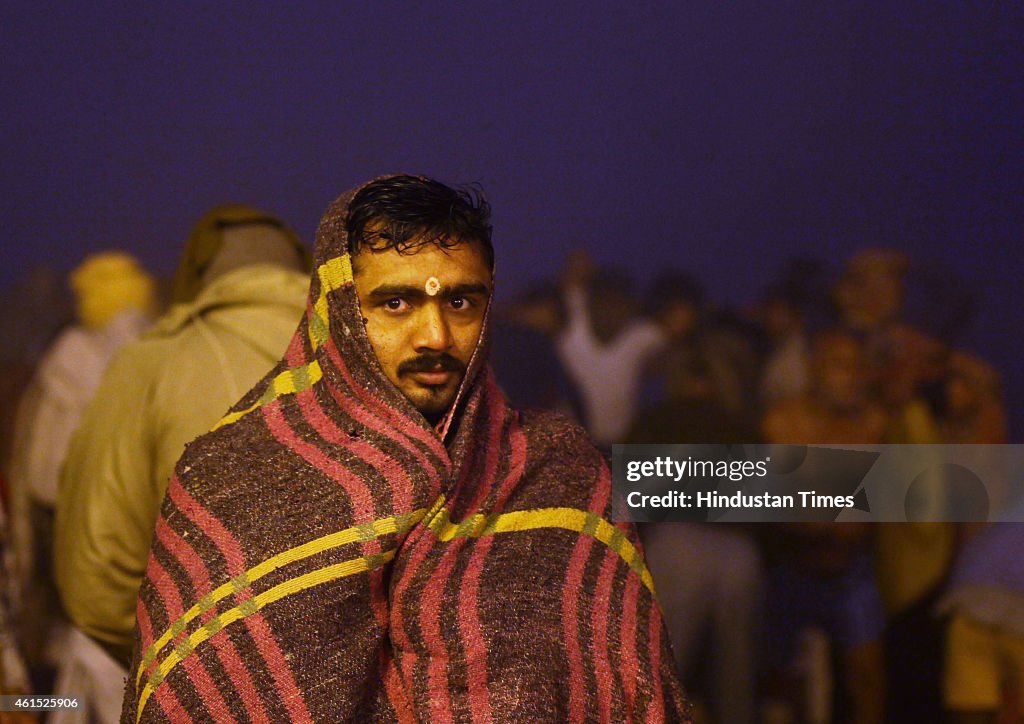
{"x":576,"y":335}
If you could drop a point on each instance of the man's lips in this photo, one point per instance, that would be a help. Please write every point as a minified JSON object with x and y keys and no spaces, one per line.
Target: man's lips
{"x":432,"y":379}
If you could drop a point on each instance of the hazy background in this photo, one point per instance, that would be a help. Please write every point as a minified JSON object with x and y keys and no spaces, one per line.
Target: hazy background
{"x":722,"y":138}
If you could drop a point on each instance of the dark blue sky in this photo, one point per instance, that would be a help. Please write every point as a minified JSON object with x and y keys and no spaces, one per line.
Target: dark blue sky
{"x":719,"y":137}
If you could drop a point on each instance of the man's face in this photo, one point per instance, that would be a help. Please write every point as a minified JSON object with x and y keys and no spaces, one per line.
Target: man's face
{"x":839,"y":370}
{"x":679,"y":318}
{"x":610,"y":312}
{"x":424,"y":312}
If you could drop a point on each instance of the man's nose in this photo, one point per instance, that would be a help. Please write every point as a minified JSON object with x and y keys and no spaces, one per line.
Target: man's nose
{"x":433,"y":332}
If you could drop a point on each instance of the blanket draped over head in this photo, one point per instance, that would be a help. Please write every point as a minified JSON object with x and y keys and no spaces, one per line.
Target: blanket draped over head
{"x":325,"y":554}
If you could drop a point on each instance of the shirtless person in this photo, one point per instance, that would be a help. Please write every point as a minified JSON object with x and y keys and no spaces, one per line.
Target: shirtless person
{"x":826,"y":579}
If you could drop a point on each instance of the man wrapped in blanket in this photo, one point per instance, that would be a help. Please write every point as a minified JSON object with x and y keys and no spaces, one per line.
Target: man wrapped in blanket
{"x":372,"y":534}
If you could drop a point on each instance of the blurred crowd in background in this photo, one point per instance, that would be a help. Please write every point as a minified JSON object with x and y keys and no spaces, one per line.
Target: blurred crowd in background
{"x":106,"y":375}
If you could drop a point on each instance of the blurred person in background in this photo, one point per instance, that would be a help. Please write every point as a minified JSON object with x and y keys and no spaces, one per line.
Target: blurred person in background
{"x":907,"y":315}
{"x":983,"y":677}
{"x":983,"y":648}
{"x":870,"y":293}
{"x":523,"y":354}
{"x":820,"y":576}
{"x":983,"y":662}
{"x":605,"y":346}
{"x":906,"y":368}
{"x":786,"y":372}
{"x":14,"y":678}
{"x":32,"y":313}
{"x":939,"y":396}
{"x":239,"y":291}
{"x":114,"y":303}
{"x":709,"y":583}
{"x":708,"y":577}
{"x":974,"y":410}
{"x":701,"y":361}
{"x":913,"y":559}
{"x":839,"y":404}
{"x":114,"y":300}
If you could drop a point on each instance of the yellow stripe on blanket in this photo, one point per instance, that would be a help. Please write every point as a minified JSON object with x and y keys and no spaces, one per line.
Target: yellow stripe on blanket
{"x":439,"y":522}
{"x":288,"y":382}
{"x":572,"y":519}
{"x":333,"y":274}
{"x":254,"y":604}
{"x":356,"y":534}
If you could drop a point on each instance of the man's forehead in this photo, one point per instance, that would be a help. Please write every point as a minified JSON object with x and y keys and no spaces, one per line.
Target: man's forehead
{"x":420,"y":263}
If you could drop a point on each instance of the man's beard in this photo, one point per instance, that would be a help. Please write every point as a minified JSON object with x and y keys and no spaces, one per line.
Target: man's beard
{"x":436,"y":399}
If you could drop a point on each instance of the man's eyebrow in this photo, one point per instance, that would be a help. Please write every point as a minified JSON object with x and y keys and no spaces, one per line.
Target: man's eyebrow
{"x":461,"y":290}
{"x":389,"y":291}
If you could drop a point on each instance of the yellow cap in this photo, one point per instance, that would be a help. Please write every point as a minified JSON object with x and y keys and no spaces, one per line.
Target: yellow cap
{"x":108,"y":283}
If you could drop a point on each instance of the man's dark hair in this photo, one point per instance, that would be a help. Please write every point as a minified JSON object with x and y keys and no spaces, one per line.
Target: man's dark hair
{"x":406,"y":212}
{"x":612,"y":281}
{"x":674,"y":287}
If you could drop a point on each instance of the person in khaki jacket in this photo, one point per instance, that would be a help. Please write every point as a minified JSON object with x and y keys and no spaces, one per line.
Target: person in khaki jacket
{"x":238,"y":295}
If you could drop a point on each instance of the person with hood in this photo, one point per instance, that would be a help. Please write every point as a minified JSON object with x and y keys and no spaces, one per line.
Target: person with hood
{"x":238,"y":293}
{"x":372,"y":534}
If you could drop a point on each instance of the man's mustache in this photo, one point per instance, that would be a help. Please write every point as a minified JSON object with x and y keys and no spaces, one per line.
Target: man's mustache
{"x":431,"y":363}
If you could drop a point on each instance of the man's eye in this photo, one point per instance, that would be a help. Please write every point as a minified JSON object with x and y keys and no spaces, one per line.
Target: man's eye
{"x":395,"y":305}
{"x":459,"y":303}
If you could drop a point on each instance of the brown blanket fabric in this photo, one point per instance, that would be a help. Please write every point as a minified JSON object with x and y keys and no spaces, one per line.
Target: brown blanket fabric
{"x":324,"y":554}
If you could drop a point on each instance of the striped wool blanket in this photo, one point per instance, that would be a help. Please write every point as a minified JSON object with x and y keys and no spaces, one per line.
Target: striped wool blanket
{"x":324,"y":554}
